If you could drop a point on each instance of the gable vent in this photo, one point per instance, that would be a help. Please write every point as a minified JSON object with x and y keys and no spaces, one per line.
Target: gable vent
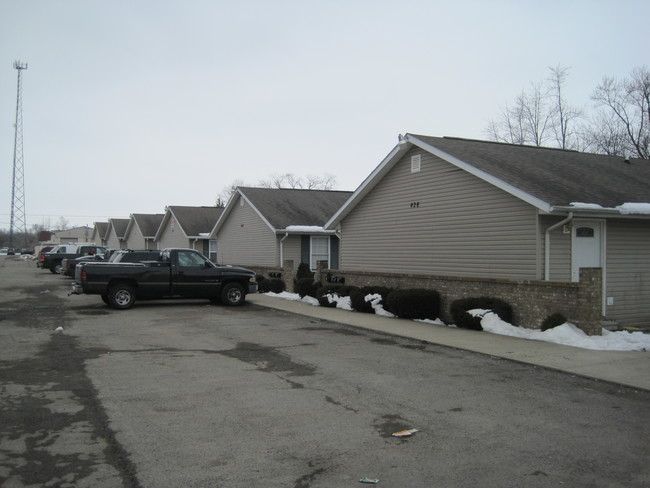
{"x":416,"y":163}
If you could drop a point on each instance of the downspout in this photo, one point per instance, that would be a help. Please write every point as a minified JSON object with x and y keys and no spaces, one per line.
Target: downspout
{"x":282,"y":249}
{"x":194,"y":245}
{"x":547,"y":245}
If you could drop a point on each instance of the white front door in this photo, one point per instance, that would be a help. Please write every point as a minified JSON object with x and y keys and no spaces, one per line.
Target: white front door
{"x":587,"y":247}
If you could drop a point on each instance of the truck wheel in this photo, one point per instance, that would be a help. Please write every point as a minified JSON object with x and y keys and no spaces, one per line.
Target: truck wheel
{"x":56,"y":268}
{"x":233,"y":294}
{"x":121,"y":296}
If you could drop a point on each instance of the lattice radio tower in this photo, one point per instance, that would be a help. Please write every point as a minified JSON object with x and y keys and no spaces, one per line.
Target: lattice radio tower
{"x":18,"y":186}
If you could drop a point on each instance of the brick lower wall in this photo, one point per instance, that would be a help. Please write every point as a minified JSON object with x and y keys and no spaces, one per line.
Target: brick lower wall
{"x":532,"y":301}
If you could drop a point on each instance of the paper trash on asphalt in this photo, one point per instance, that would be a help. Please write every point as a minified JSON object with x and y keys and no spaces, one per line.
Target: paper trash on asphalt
{"x":405,"y":433}
{"x":368,"y":480}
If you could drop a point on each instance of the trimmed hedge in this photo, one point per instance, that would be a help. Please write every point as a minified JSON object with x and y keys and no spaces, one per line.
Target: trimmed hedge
{"x":553,"y":321}
{"x":307,"y":287}
{"x":414,"y":303}
{"x":463,"y":320}
{"x":304,"y":271}
{"x":358,"y":297}
{"x":273,"y":285}
{"x":340,"y":290}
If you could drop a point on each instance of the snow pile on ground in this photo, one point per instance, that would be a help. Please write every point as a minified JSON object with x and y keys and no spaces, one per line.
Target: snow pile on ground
{"x":567,"y":334}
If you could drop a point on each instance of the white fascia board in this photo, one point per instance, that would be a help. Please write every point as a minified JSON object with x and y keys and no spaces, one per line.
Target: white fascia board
{"x":128,"y":227}
{"x":226,"y":211}
{"x":493,"y":180}
{"x":368,"y":184}
{"x":162,"y":223}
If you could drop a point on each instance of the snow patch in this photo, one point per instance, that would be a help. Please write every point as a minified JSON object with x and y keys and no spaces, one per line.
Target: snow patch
{"x":567,"y":334}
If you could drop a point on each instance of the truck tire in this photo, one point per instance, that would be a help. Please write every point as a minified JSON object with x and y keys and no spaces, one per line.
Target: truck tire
{"x":121,"y":296}
{"x":56,"y":268}
{"x":233,"y":294}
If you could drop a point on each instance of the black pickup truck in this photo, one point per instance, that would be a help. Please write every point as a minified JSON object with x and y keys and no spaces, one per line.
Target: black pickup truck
{"x":179,"y":273}
{"x":52,"y":260}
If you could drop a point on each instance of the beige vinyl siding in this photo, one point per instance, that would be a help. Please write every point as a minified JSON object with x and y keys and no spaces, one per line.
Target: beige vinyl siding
{"x":172,"y":236}
{"x":292,"y":249}
{"x":245,"y":239}
{"x":560,"y":269}
{"x":135,"y":239}
{"x":628,"y":272}
{"x":443,"y":221}
{"x":112,"y":241}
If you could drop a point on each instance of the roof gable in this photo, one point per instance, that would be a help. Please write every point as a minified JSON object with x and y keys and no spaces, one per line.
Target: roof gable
{"x":195,"y":222}
{"x":283,"y":208}
{"x":549,"y":179}
{"x":118,"y":226}
{"x":147,"y":223}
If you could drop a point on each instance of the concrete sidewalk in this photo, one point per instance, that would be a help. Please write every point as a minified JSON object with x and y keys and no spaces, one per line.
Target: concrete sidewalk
{"x":629,"y":368}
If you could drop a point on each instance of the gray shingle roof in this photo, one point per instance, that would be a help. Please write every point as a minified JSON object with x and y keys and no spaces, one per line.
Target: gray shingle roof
{"x":101,"y":227}
{"x":558,"y":177}
{"x":119,"y":226}
{"x":196,"y":220}
{"x":286,"y":207}
{"x":148,"y":223}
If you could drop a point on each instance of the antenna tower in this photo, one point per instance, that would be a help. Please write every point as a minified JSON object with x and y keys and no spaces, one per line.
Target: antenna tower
{"x":18,"y":186}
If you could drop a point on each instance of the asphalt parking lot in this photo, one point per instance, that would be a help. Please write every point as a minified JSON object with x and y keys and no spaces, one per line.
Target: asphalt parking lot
{"x":184,"y":393}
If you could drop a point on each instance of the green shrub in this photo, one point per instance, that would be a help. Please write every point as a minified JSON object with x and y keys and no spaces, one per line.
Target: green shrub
{"x":414,"y":303}
{"x":273,"y":285}
{"x":304,"y":271}
{"x":463,"y":320}
{"x":358,"y":297}
{"x":340,"y":290}
{"x":307,"y":287}
{"x":553,"y":321}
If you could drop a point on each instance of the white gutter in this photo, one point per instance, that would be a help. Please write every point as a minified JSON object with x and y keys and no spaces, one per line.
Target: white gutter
{"x":282,"y":249}
{"x":547,"y":245}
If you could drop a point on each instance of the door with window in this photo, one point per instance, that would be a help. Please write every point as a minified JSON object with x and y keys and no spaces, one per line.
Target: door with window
{"x":587,"y":247}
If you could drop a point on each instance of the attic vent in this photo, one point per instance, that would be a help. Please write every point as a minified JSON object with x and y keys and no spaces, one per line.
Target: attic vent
{"x":241,"y":202}
{"x":416,"y":163}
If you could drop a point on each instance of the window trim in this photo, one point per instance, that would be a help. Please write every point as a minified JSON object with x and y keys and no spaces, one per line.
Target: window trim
{"x":311,"y":251}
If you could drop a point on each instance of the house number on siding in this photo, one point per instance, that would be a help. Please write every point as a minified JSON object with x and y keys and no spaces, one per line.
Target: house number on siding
{"x":415,"y":204}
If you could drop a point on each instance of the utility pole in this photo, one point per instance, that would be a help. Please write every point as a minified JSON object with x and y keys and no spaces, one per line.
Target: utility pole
{"x":18,"y":221}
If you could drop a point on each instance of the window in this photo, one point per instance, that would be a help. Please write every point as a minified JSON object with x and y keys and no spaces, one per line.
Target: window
{"x":320,"y":250}
{"x":585,"y":232}
{"x":212,"y":250}
{"x":189,"y":259}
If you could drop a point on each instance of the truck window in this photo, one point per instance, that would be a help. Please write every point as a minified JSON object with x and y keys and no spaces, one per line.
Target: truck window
{"x":189,"y":259}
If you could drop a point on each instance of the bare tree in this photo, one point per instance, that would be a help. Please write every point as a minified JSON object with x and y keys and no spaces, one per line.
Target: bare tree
{"x":563,"y":114}
{"x":63,"y":223}
{"x":525,"y":121}
{"x":284,"y":180}
{"x":604,"y":134}
{"x":628,"y":101}
{"x":538,"y":115}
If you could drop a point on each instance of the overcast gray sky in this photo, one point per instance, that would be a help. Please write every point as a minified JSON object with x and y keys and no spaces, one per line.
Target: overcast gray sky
{"x":132,"y":105}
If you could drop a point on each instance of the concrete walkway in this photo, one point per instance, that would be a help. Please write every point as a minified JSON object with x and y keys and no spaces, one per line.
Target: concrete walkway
{"x":629,"y":368}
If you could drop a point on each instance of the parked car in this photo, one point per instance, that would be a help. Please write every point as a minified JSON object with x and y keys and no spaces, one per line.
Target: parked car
{"x":27,"y":250}
{"x":52,"y":260}
{"x":180,"y":273}
{"x":39,"y":258}
{"x":11,"y":251}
